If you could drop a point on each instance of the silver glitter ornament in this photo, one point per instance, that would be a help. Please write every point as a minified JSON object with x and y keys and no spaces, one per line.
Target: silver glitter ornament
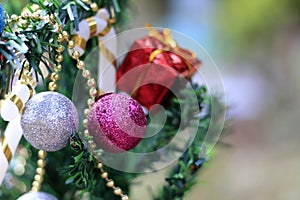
{"x":48,"y":121}
{"x":37,"y":196}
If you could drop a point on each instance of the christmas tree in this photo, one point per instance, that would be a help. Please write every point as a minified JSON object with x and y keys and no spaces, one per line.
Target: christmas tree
{"x":102,"y":140}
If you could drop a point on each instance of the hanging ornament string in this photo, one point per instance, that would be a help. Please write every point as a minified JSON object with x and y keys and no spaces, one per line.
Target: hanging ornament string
{"x":52,"y":86}
{"x":93,"y":93}
{"x":40,"y":171}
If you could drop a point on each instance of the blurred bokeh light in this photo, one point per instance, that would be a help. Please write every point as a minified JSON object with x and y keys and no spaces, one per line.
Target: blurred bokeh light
{"x":256,"y":45}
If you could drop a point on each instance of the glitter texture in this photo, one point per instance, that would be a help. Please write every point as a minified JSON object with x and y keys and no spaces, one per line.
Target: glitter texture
{"x":37,"y":196}
{"x":116,"y":122}
{"x":48,"y":121}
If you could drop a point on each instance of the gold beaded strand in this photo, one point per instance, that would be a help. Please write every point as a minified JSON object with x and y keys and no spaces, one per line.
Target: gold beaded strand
{"x":52,"y":86}
{"x":93,"y":93}
{"x":40,"y":171}
{"x":110,"y":183}
{"x":91,"y":82}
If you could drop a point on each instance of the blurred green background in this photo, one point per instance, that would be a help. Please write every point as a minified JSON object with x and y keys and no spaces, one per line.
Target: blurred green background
{"x":256,"y":45}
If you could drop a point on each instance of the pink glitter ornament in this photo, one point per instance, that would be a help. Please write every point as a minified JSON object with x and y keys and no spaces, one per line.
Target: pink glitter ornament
{"x":116,"y":122}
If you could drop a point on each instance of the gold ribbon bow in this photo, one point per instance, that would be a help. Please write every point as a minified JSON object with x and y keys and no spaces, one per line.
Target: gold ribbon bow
{"x":171,"y":44}
{"x":81,"y":42}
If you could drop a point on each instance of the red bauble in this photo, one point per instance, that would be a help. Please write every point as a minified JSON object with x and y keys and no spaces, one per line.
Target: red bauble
{"x":116,"y":122}
{"x":153,"y":70}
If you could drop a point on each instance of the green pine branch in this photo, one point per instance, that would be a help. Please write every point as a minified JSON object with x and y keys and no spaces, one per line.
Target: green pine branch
{"x":36,"y":37}
{"x":72,"y":172}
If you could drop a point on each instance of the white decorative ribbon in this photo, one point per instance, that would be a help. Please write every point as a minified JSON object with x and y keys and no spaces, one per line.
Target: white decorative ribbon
{"x":9,"y":144}
{"x":107,"y":54}
{"x":12,"y":106}
{"x":11,"y":109}
{"x":100,"y":26}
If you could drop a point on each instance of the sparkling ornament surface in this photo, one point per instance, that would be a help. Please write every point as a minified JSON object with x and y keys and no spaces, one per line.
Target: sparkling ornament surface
{"x":2,"y":19}
{"x":48,"y":121}
{"x":150,"y":74}
{"x":37,"y":196}
{"x":116,"y":122}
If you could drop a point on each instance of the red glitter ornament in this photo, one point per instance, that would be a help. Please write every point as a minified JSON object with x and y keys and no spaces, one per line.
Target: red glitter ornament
{"x":154,"y":68}
{"x":116,"y":122}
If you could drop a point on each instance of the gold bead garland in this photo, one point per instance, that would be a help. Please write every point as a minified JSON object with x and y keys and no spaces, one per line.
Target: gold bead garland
{"x":110,"y":183}
{"x":93,"y":93}
{"x":52,"y":86}
{"x":40,"y":171}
